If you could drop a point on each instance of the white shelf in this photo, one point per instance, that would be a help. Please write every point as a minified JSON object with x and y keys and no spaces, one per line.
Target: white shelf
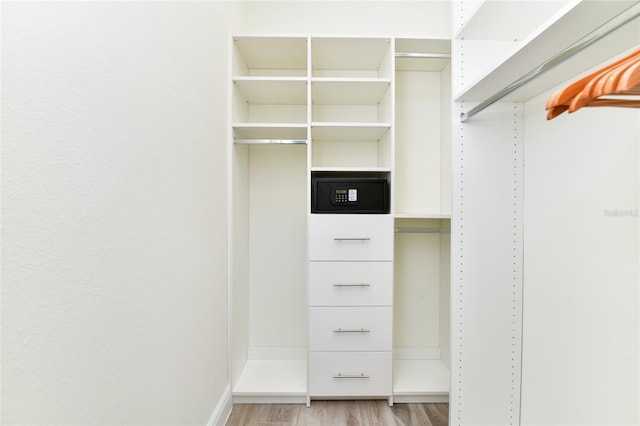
{"x":272,"y":53}
{"x":365,"y":132}
{"x":422,"y":216}
{"x":273,"y":90}
{"x":420,"y":377}
{"x":353,"y":91}
{"x":517,"y":19}
{"x":272,"y":377}
{"x":567,"y":26}
{"x":351,"y":169}
{"x":270,"y":131}
{"x":351,"y":54}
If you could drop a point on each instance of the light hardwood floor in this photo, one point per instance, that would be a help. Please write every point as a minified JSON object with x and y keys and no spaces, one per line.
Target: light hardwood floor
{"x":338,"y":413}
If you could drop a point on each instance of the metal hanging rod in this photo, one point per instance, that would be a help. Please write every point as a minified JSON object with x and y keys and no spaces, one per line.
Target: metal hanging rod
{"x":423,"y":55}
{"x":271,"y":141}
{"x":407,"y":230}
{"x":586,"y":41}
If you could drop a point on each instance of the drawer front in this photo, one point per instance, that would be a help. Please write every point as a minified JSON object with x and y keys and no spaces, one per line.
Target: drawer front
{"x":350,"y":329}
{"x":350,"y":374}
{"x":351,"y":237}
{"x":350,"y":283}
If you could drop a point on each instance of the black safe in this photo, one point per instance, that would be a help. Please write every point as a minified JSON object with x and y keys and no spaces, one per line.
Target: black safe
{"x":349,"y":195}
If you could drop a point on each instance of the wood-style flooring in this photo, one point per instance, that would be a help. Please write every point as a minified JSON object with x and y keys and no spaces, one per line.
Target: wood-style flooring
{"x":338,"y":413}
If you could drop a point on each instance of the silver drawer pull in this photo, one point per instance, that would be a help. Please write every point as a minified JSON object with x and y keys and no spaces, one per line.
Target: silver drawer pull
{"x":351,"y":239}
{"x":351,"y":376}
{"x":352,"y":330}
{"x":352,"y":285}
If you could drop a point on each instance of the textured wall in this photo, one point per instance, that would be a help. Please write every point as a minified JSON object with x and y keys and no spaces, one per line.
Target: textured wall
{"x":361,"y":17}
{"x":113,"y":233}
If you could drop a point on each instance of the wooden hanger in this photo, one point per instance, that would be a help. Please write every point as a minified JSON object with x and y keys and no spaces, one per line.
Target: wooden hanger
{"x":630,"y":80}
{"x":566,"y":94}
{"x":587,"y":91}
{"x":603,"y":84}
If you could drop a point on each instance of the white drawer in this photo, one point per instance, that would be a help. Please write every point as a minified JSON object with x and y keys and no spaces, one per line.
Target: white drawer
{"x":350,"y":329}
{"x":350,"y":283}
{"x":350,"y":237}
{"x":350,"y":374}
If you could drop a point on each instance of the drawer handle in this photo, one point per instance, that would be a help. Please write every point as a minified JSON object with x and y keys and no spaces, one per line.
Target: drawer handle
{"x":351,"y":376}
{"x":352,"y":330}
{"x":352,"y":285}
{"x":352,"y":239}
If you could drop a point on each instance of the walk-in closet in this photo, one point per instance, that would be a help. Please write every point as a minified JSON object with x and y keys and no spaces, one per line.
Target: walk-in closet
{"x":460,"y":288}
{"x":312,"y":211}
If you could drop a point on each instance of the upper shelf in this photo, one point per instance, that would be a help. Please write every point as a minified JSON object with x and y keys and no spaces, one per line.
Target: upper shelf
{"x":270,"y":56}
{"x":507,"y":20}
{"x":573,"y":21}
{"x":351,"y":57}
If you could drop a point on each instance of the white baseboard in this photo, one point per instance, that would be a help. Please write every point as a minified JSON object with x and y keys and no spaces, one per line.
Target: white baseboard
{"x":223,"y":408}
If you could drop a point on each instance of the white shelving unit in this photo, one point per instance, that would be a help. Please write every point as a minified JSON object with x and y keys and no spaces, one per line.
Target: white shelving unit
{"x":326,"y":106}
{"x":268,"y":162}
{"x":351,"y":132}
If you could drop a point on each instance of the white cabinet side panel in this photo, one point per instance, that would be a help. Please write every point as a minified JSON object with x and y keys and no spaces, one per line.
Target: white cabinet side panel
{"x":277,"y":312}
{"x":581,"y":332}
{"x":445,"y":140}
{"x":486,"y":258}
{"x":240,"y":266}
{"x":445,"y":299}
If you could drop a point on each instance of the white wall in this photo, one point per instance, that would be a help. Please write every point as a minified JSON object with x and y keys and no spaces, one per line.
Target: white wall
{"x":114,"y":262}
{"x":113,"y":182}
{"x":430,"y":17}
{"x":581,"y":339}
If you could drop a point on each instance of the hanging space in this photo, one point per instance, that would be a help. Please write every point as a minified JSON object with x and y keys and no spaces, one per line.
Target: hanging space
{"x":268,"y":219}
{"x":422,"y":190}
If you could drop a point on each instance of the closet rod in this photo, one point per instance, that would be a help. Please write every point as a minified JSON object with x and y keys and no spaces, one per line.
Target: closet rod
{"x":586,"y":41}
{"x":407,"y":230}
{"x":423,"y":55}
{"x":270,"y":141}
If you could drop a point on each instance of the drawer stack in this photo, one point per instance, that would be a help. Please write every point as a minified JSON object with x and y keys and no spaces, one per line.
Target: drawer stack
{"x":350,"y":305}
